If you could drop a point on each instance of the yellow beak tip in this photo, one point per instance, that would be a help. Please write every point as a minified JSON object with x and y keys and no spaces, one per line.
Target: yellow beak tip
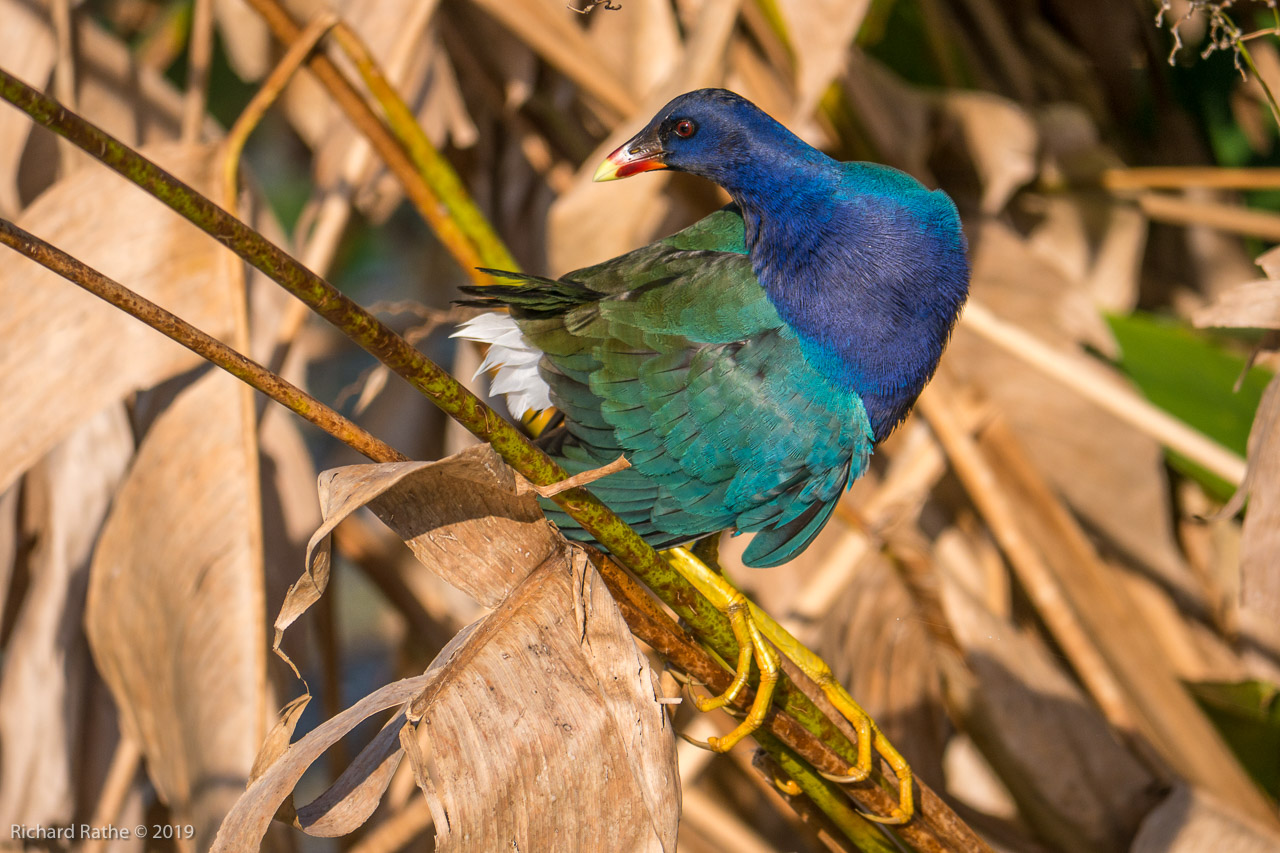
{"x":607,"y":171}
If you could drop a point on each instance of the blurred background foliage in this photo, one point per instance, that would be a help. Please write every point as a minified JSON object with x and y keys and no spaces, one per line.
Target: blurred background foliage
{"x":1116,"y":192}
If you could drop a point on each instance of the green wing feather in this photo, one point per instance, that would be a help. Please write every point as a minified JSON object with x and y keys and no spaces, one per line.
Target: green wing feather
{"x":673,"y":355}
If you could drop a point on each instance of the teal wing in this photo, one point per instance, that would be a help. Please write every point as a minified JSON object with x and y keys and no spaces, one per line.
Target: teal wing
{"x":673,"y":356}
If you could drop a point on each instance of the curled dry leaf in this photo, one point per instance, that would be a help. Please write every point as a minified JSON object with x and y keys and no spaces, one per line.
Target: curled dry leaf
{"x":545,"y":729}
{"x":541,"y":725}
{"x":248,"y":820}
{"x":175,"y":610}
{"x":509,"y":692}
{"x":277,"y":740}
{"x":54,"y":381}
{"x":460,"y":516}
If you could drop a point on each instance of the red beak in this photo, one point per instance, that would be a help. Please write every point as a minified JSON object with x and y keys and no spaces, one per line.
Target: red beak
{"x":631,"y":158}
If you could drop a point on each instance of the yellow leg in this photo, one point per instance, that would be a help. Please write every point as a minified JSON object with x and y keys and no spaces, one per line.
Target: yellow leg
{"x":750,"y":645}
{"x":752,"y":627}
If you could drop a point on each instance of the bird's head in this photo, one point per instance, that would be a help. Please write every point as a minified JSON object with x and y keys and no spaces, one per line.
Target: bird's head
{"x":708,"y":132}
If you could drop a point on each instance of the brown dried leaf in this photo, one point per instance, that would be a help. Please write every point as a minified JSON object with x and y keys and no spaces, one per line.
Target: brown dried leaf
{"x":175,"y":610}
{"x":1190,"y":820}
{"x":546,"y":730}
{"x":581,"y":224}
{"x":347,"y":803}
{"x":1054,"y":751}
{"x":247,"y":822}
{"x":1001,"y":140}
{"x":47,"y":675}
{"x":28,"y":48}
{"x":1260,"y":540}
{"x":1253,"y":305}
{"x":276,"y":743}
{"x":53,"y":381}
{"x":245,"y":38}
{"x":543,"y":733}
{"x":1081,"y":449}
{"x":897,"y":117}
{"x":461,"y":516}
{"x":821,"y":33}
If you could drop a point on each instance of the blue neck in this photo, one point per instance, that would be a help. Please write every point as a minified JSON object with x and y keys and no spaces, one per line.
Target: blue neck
{"x":864,"y":264}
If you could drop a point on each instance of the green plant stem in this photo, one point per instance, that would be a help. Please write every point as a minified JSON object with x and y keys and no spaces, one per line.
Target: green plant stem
{"x":429,"y":206}
{"x":432,"y":167}
{"x":1262,"y":81}
{"x":202,"y":344}
{"x":828,"y":798}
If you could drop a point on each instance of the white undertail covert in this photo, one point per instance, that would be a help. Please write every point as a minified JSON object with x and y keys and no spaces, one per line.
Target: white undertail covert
{"x":515,"y":359}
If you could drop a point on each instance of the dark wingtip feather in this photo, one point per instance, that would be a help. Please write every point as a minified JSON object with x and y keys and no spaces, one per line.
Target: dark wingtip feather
{"x":777,"y":545}
{"x":531,"y":295}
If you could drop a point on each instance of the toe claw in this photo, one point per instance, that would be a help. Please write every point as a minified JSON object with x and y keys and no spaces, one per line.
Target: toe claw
{"x":851,"y":776}
{"x":682,"y":677}
{"x":700,"y":744}
{"x":894,"y":818}
{"x":788,"y":786}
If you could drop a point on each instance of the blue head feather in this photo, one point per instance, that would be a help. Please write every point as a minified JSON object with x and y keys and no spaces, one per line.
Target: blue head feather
{"x":862,"y":261}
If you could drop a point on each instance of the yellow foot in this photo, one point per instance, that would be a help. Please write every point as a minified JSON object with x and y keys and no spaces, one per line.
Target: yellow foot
{"x":758,"y":635}
{"x":751,"y":645}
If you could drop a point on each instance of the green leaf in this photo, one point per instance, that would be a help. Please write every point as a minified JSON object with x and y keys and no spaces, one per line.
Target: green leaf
{"x":1247,"y":714}
{"x":1189,"y":375}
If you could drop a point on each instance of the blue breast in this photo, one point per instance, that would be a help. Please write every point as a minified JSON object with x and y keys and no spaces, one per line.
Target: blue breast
{"x":869,"y":268}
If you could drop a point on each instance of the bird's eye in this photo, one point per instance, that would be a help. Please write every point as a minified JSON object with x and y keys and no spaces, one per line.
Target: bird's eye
{"x":685,"y":128}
